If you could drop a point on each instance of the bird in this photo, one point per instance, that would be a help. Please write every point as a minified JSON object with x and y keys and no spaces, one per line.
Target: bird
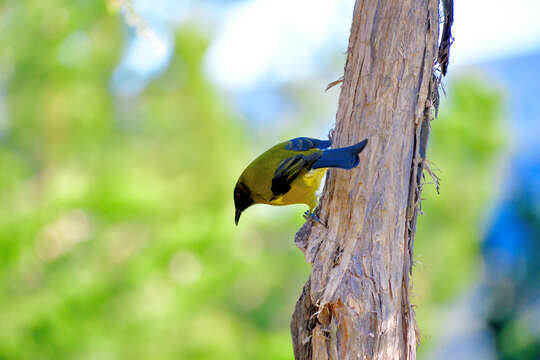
{"x":290,"y":173}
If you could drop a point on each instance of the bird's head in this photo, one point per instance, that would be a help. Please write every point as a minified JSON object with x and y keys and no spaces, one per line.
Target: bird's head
{"x":242,"y":200}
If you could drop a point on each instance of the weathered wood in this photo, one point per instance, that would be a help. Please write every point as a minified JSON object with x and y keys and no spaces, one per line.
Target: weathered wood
{"x":356,"y":302}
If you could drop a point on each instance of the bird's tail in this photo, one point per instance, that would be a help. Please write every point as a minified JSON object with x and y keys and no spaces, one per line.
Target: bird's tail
{"x":343,"y":158}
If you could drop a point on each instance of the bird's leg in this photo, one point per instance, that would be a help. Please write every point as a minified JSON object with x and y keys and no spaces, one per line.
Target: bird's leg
{"x":310,"y":215}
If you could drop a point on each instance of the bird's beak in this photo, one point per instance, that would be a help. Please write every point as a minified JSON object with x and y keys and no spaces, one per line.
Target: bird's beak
{"x":237,"y":214}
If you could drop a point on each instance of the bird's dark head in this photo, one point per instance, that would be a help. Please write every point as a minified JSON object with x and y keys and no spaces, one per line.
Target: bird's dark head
{"x":242,"y":200}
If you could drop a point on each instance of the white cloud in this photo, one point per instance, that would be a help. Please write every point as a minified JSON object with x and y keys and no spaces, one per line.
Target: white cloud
{"x":281,"y":39}
{"x":276,"y":38}
{"x":488,"y":29}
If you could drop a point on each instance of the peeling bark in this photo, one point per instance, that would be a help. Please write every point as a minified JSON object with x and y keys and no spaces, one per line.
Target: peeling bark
{"x":355,"y":304}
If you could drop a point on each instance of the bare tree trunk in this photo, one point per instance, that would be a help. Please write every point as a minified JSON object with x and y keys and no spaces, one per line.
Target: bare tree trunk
{"x":356,"y":303}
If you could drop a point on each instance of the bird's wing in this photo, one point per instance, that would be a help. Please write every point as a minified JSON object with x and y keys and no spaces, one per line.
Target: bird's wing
{"x":304,"y":144}
{"x":289,"y":169}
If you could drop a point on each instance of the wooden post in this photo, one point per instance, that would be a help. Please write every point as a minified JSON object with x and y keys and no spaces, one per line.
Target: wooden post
{"x":355,"y":304}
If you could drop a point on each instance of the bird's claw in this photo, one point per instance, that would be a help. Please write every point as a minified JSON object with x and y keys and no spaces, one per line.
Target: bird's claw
{"x":310,"y":215}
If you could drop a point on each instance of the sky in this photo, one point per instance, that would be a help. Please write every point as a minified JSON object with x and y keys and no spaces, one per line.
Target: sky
{"x":284,"y":40}
{"x":277,"y":39}
{"x":259,"y":37}
{"x":486,"y":30}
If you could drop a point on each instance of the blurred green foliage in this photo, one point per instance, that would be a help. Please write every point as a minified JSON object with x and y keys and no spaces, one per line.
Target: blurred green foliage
{"x":466,"y":142}
{"x":116,"y":221}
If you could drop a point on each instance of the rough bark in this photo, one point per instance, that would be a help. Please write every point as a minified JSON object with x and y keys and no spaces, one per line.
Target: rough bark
{"x":355,"y":304}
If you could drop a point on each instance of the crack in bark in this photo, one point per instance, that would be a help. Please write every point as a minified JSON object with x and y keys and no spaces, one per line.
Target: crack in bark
{"x":446,"y":39}
{"x":302,"y":324}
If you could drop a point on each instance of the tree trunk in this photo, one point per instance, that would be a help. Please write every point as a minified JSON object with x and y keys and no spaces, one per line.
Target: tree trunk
{"x":355,"y":304}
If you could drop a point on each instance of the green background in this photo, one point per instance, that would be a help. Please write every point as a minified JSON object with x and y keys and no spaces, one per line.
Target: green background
{"x":117,"y":238}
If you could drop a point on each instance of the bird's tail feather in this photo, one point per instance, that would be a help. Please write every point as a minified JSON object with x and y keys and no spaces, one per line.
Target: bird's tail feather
{"x":343,"y":158}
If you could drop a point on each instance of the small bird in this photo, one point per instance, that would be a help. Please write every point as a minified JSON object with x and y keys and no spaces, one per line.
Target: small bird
{"x":291,"y":173}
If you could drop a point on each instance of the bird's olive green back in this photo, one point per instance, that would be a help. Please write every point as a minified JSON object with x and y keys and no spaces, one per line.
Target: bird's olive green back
{"x":260,"y":172}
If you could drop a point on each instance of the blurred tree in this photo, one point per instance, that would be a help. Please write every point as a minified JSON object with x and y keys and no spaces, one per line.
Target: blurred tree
{"x":466,"y":143}
{"x":512,"y":267}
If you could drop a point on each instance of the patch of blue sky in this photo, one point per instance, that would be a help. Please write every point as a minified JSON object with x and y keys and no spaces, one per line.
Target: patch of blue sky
{"x":280,"y":38}
{"x":148,"y":56}
{"x":284,"y":38}
{"x":259,"y":45}
{"x":485,"y":30}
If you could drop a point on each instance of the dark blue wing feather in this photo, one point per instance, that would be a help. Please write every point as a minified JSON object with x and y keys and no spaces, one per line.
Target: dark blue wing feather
{"x":343,"y":158}
{"x":305,"y":143}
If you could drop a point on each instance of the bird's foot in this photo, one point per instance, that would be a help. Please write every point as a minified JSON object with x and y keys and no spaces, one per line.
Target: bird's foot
{"x":331,"y":133}
{"x":310,"y":215}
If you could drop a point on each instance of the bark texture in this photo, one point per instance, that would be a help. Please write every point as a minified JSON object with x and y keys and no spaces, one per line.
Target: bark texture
{"x":356,"y":303}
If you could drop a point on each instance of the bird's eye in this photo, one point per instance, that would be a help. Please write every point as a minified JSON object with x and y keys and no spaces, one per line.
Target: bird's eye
{"x":237,"y":195}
